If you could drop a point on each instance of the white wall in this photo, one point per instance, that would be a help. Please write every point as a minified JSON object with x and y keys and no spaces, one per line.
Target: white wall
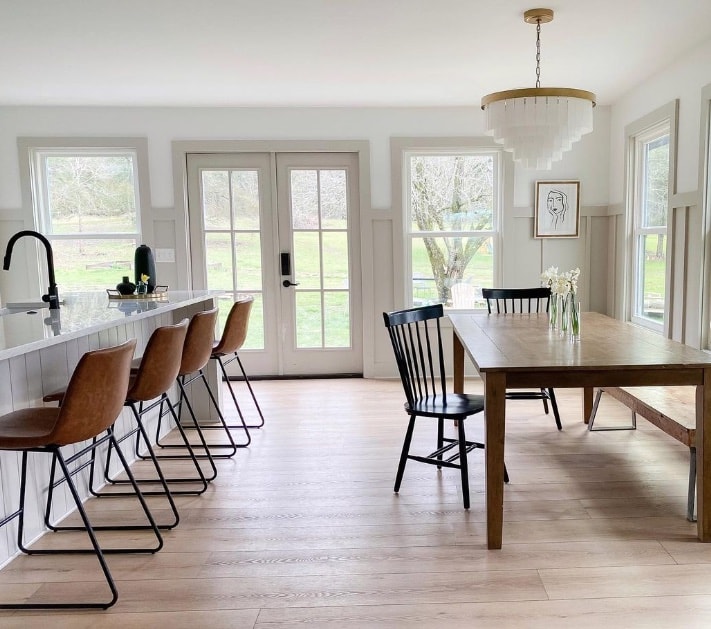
{"x":526,"y":257}
{"x":684,"y":80}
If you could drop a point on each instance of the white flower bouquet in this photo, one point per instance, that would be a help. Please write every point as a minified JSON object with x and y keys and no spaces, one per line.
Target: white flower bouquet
{"x":564,"y":287}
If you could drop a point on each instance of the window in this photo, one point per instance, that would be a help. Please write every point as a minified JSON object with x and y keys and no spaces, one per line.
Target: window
{"x":86,"y":201}
{"x":649,"y":185}
{"x":452,"y":201}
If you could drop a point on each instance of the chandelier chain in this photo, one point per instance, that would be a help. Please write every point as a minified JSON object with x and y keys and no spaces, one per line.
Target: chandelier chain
{"x":538,"y":53}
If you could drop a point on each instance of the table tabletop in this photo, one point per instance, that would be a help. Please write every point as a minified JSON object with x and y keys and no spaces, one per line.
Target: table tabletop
{"x":521,"y":341}
{"x":520,"y":350}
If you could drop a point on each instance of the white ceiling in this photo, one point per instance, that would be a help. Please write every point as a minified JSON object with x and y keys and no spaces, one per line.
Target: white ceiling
{"x":330,"y":52}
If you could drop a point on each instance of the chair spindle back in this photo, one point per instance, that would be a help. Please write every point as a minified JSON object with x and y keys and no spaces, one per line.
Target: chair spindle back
{"x":512,"y":300}
{"x":418,"y":351}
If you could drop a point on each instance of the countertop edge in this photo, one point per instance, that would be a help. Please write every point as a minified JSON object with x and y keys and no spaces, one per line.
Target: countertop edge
{"x":162,"y":307}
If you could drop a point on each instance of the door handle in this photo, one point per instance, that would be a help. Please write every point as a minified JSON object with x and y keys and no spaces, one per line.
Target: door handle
{"x":287,"y":283}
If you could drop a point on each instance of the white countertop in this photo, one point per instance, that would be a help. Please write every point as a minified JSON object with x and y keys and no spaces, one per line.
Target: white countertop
{"x":82,"y":314}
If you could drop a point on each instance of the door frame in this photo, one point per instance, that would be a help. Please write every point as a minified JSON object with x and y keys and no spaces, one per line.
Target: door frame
{"x":180,"y":151}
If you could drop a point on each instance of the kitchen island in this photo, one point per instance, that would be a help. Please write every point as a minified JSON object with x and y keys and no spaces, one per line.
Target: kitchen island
{"x":39,"y":349}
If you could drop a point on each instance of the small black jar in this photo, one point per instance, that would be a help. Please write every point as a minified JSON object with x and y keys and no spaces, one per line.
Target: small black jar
{"x":126,"y":287}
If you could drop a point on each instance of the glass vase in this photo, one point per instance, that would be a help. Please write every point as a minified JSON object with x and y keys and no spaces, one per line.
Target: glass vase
{"x":574,"y":310}
{"x":553,"y":311}
{"x":564,"y":314}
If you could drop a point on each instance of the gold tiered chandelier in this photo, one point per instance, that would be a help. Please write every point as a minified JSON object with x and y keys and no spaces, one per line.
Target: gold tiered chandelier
{"x":538,"y":124}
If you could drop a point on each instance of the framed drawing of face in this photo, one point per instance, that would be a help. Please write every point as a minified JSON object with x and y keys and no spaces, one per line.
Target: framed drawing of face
{"x":557,"y":209}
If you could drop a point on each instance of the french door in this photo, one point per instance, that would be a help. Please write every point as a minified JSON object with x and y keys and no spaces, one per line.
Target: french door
{"x":283,"y":227}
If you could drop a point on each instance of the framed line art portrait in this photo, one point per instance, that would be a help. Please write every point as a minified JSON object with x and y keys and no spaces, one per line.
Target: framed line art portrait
{"x":557,"y":210}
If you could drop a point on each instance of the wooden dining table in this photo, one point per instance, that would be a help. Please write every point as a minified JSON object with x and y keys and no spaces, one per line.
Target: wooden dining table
{"x":521,"y":351}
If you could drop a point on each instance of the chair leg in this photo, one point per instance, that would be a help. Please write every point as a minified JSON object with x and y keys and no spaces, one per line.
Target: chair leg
{"x":251,"y":392}
{"x":554,"y":404}
{"x":440,"y":438}
{"x":230,"y":446}
{"x":242,"y":423}
{"x":464,"y":467}
{"x":201,"y":478}
{"x":404,"y":453}
{"x":97,"y":551}
{"x":544,"y":397}
{"x":137,"y":494}
{"x":161,"y":480}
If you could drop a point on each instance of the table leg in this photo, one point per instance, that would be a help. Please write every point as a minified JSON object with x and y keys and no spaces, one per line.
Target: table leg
{"x":458,"y":359}
{"x":703,"y":458}
{"x":495,"y":411}
{"x":587,"y":403}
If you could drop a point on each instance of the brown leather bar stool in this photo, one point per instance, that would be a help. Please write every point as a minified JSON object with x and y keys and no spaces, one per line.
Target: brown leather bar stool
{"x":226,"y":351}
{"x":93,"y":400}
{"x":196,"y":354}
{"x":148,"y":389}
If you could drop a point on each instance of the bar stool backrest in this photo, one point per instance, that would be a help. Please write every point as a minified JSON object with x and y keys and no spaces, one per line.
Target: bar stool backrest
{"x":198,"y":342}
{"x":95,"y":394}
{"x":160,"y":363}
{"x":235,"y":332}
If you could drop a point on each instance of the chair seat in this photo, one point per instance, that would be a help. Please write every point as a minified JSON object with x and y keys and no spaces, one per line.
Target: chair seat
{"x":27,"y":428}
{"x":458,"y":406}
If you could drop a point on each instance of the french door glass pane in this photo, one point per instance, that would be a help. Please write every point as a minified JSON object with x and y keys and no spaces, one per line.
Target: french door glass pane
{"x":218,"y":257}
{"x":335,"y":259}
{"x":307,"y":260}
{"x":248,"y":254}
{"x":334,"y":199}
{"x":309,"y":317}
{"x":245,"y":199}
{"x":216,"y":199}
{"x":336,"y":319}
{"x":92,"y":264}
{"x":304,"y":199}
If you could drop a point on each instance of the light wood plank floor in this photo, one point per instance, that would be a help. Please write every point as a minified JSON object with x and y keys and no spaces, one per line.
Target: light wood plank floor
{"x":303,"y":529}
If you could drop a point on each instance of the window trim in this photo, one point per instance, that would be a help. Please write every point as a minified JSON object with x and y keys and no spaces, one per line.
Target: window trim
{"x":705,"y":200}
{"x":401,"y":148}
{"x":634,"y":133}
{"x":29,"y":150}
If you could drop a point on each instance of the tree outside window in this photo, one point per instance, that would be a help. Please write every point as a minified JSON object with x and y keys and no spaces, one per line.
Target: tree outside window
{"x":87,"y":205}
{"x":452,"y":222}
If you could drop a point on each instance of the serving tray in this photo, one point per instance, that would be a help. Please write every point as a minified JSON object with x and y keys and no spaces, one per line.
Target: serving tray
{"x":160,"y":292}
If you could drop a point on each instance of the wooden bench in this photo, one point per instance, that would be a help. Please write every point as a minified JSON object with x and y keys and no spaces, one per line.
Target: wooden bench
{"x":671,"y":409}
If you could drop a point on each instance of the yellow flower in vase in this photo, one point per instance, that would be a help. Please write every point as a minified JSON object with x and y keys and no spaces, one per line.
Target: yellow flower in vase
{"x":142,"y":287}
